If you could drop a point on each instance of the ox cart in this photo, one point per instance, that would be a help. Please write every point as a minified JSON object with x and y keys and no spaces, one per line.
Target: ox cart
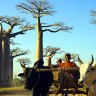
{"x":67,"y":85}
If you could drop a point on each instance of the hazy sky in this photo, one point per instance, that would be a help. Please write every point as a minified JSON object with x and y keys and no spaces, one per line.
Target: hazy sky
{"x":75,"y":13}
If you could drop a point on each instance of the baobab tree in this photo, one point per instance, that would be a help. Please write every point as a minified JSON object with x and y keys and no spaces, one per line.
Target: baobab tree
{"x":24,"y":62}
{"x":5,"y":35}
{"x":13,"y":54}
{"x":39,"y":9}
{"x":49,"y":52}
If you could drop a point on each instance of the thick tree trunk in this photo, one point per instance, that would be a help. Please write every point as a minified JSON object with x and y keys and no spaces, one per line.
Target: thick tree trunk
{"x":1,"y":63}
{"x":11,"y":69}
{"x":39,"y":41}
{"x":6,"y":61}
{"x":48,"y":61}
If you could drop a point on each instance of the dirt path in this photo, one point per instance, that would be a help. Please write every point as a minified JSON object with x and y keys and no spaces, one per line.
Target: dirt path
{"x":29,"y":93}
{"x":24,"y":92}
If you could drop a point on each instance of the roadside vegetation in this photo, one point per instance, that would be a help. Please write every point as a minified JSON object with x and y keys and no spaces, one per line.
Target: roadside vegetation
{"x":16,"y":86}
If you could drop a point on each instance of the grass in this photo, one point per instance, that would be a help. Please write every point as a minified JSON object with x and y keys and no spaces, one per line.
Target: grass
{"x":11,"y":90}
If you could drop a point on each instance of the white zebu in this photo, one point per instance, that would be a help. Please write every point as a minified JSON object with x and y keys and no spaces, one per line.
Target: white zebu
{"x":88,"y":76}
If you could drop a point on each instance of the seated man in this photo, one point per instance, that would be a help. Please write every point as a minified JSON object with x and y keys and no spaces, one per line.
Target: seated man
{"x":70,"y":76}
{"x":68,"y":64}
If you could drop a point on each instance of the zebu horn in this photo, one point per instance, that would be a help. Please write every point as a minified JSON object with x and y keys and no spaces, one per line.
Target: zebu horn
{"x":91,"y":61}
{"x":79,"y":60}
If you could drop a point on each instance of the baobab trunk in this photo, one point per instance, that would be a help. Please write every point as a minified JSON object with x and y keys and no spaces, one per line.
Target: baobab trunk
{"x":48,"y":61}
{"x":6,"y":61}
{"x":1,"y":63}
{"x":39,"y":41}
{"x":11,"y":69}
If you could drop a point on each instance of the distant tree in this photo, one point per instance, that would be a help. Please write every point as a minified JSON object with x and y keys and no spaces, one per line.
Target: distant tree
{"x":24,"y":62}
{"x":15,"y":53}
{"x":93,"y":14}
{"x":39,"y":9}
{"x":7,"y":25}
{"x":49,"y":52}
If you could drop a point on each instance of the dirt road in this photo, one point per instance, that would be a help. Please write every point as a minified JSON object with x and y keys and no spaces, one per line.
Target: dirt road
{"x":19,"y":91}
{"x":29,"y":93}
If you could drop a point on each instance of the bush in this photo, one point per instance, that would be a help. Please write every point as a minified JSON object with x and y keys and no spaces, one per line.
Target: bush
{"x":17,"y":82}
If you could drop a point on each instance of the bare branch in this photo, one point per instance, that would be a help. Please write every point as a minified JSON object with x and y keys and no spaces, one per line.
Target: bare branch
{"x":34,"y":6}
{"x":18,"y":52}
{"x":23,"y":29}
{"x":15,"y":34}
{"x":24,"y":61}
{"x":12,"y":22}
{"x":50,"y":51}
{"x":58,"y":26}
{"x":93,"y":14}
{"x":12,"y":42}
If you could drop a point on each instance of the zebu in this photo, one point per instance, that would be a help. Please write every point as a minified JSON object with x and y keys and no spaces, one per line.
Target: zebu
{"x":39,"y":81}
{"x":88,"y":76}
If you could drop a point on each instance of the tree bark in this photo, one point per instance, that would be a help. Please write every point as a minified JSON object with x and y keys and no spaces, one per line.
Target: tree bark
{"x":39,"y":41}
{"x":6,"y":60}
{"x":11,"y":69}
{"x":1,"y":63}
{"x":48,"y":61}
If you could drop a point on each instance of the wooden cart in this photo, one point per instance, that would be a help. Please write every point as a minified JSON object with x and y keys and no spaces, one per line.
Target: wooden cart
{"x":69,"y":85}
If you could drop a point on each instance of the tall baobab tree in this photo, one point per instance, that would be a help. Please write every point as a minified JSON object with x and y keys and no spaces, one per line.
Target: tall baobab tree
{"x":49,"y":52}
{"x":15,"y":53}
{"x":6,"y":34}
{"x":39,"y":9}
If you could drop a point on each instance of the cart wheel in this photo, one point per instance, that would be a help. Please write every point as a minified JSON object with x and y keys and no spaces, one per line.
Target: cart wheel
{"x":66,"y":94}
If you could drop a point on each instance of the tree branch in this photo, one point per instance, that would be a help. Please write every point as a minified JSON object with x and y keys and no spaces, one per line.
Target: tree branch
{"x":10,"y":28}
{"x":52,"y":55}
{"x":48,"y":25}
{"x":15,"y":34}
{"x":24,"y":28}
{"x":53,"y":31}
{"x":18,"y":52}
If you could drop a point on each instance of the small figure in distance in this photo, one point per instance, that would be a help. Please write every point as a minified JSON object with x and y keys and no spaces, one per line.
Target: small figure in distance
{"x":59,"y":63}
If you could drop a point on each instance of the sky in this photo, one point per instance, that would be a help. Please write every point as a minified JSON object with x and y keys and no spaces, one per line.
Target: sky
{"x":76,"y":13}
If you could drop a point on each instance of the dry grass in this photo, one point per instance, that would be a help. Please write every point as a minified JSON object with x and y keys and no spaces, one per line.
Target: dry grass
{"x":11,"y":90}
